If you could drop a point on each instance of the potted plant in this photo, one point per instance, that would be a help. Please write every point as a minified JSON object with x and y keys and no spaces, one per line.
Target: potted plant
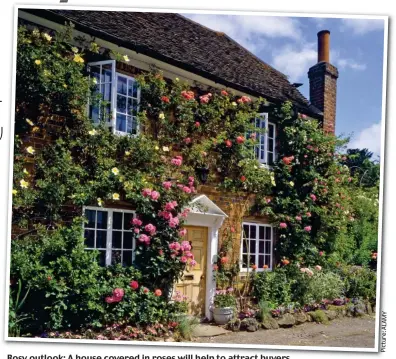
{"x":224,"y":306}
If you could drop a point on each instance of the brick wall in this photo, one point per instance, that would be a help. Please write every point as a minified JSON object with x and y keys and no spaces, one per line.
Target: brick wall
{"x":323,"y":92}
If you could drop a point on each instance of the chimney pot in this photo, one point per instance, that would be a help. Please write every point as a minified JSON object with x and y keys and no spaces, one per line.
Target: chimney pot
{"x":324,"y":46}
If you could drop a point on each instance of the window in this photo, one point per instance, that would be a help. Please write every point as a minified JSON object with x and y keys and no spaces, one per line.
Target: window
{"x":118,"y":102}
{"x":109,"y":231}
{"x":264,"y":150}
{"x":256,"y":248}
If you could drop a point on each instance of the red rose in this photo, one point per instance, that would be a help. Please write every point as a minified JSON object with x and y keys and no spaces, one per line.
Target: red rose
{"x":158,"y":292}
{"x":228,"y":143}
{"x":197,"y":124}
{"x":243,"y":178}
{"x":224,"y":260}
{"x":224,"y":93}
{"x":134,"y":285}
{"x":165,"y":99}
{"x":240,"y":139}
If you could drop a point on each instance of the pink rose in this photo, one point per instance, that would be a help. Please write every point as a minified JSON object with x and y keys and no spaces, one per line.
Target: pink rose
{"x":187,"y":140}
{"x":204,"y":98}
{"x":166,"y":215}
{"x":307,"y":229}
{"x":282,"y":225}
{"x":146,"y":192}
{"x":182,"y":232}
{"x":167,"y":185}
{"x":174,"y":246}
{"x":174,"y":222}
{"x":253,"y":136}
{"x":170,"y":206}
{"x":298,"y":218}
{"x":137,"y":222}
{"x":183,"y":259}
{"x":318,"y":268}
{"x":136,"y":230}
{"x":176,"y":161}
{"x":109,"y":300}
{"x":240,"y":139}
{"x":186,"y":189}
{"x":155,"y":195}
{"x":191,"y":179}
{"x":193,"y":263}
{"x":313,"y":197}
{"x":143,"y":238}
{"x":118,"y":293}
{"x":150,"y":229}
{"x":185,"y":246}
{"x":134,"y":285}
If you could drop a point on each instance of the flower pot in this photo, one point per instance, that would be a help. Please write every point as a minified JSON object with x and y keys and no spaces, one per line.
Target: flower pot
{"x":223,"y":315}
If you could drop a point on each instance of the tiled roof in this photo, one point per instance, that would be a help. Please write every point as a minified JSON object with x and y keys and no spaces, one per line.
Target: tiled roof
{"x":186,"y":44}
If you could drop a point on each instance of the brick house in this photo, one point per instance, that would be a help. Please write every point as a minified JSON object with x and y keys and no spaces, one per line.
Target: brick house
{"x":184,"y":49}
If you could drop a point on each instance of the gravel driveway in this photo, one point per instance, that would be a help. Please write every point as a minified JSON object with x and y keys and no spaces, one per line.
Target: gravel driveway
{"x":344,"y":332}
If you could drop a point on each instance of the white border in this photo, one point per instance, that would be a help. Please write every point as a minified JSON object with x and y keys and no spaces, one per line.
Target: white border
{"x":224,"y":12}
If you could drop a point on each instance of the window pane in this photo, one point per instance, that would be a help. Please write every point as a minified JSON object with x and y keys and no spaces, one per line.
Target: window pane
{"x":117,"y":239}
{"x":267,"y":261}
{"x":102,"y":220}
{"x":117,"y":220}
{"x":101,"y":237}
{"x":128,"y":241}
{"x":270,"y":145}
{"x":127,"y":220}
{"x":94,"y":113}
{"x":89,"y":236}
{"x":106,"y":73}
{"x":252,"y":260}
{"x":253,"y":232}
{"x":261,"y":247}
{"x":270,"y":159}
{"x":252,"y":246}
{"x":267,"y":232}
{"x":105,"y":90}
{"x":244,"y":246}
{"x":121,"y":104}
{"x":261,"y":232}
{"x":135,"y":90}
{"x":102,"y":258}
{"x":244,"y":261}
{"x":130,"y":87}
{"x":121,"y":123}
{"x":129,"y":124}
{"x":260,"y":261}
{"x":267,"y":247}
{"x":90,"y":216}
{"x":95,"y":72}
{"x":115,"y":256}
{"x":246,"y":231}
{"x":271,"y":131}
{"x":121,"y":85}
{"x":127,"y":258}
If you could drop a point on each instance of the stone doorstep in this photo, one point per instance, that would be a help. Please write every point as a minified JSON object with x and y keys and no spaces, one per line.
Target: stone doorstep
{"x":208,"y":330}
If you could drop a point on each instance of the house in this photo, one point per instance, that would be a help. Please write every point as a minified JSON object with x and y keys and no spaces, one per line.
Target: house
{"x":184,"y":49}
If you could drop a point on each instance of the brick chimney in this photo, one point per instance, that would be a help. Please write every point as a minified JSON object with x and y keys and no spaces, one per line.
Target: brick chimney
{"x":323,"y":83}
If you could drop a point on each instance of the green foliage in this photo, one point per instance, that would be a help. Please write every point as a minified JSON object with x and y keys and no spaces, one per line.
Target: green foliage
{"x":264,"y":310}
{"x":224,"y":299}
{"x":15,"y":318}
{"x":360,"y":282}
{"x":323,"y":285}
{"x":273,"y":287}
{"x":186,"y":327}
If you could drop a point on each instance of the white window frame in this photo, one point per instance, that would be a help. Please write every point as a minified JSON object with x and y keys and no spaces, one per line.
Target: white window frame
{"x":109,"y":230}
{"x":263,"y":117}
{"x":113,"y":102}
{"x":271,"y":254}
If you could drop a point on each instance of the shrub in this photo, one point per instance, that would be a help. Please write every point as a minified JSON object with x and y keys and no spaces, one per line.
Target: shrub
{"x":323,"y":285}
{"x":186,"y":327}
{"x":274,"y":287}
{"x":224,"y":299}
{"x":360,"y":282}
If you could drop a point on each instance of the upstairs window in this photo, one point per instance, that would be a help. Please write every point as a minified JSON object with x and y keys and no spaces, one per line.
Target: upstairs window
{"x":109,"y":231}
{"x":257,"y":246}
{"x":264,"y":150}
{"x":118,"y":98}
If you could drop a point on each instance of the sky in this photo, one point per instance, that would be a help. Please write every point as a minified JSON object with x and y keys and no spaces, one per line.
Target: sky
{"x":289,"y":44}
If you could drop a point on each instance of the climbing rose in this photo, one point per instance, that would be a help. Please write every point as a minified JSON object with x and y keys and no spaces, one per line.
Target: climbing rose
{"x":170,"y":206}
{"x":186,"y":189}
{"x":265,"y":266}
{"x":232,"y":229}
{"x":298,"y":218}
{"x":307,"y":229}
{"x":134,"y":285}
{"x":145,"y":290}
{"x":243,"y":178}
{"x":254,"y":266}
{"x":137,"y":222}
{"x":177,"y":161}
{"x":158,"y":292}
{"x":224,"y":260}
{"x":240,"y":139}
{"x":228,"y":143}
{"x":185,"y":246}
{"x":282,"y":225}
{"x":174,"y":246}
{"x":253,"y":136}
{"x":188,"y":95}
{"x":146,"y":192}
{"x":118,"y":293}
{"x":197,"y":124}
{"x":215,"y":267}
{"x":318,"y":268}
{"x":150,"y":229}
{"x":244,"y":99}
{"x":143,"y":238}
{"x":285,"y":262}
{"x":308,"y":214}
{"x":182,"y":232}
{"x":191,"y":179}
{"x":187,"y":140}
{"x":165,"y":215}
{"x":313,"y":197}
{"x":321,"y":253}
{"x":165,"y":99}
{"x":224,"y":92}
{"x":174,"y":222}
{"x":183,"y":259}
{"x":193,"y":263}
{"x":155,"y":195}
{"x":109,"y":300}
{"x":167,"y":185}
{"x":204,"y":98}
{"x":136,"y":230}
{"x":287,"y":160}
